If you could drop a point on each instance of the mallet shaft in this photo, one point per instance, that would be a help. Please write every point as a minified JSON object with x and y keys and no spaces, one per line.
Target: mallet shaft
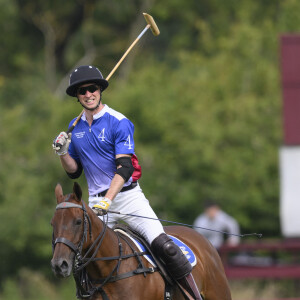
{"x":127,"y":51}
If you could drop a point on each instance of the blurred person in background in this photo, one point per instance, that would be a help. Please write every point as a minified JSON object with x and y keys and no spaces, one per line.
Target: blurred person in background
{"x":215,"y":218}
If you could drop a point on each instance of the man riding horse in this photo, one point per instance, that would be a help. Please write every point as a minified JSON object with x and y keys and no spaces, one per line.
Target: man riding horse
{"x":102,"y":145}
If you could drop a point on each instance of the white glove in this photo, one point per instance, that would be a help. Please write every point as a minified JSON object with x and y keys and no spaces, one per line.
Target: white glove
{"x":101,"y":208}
{"x":61,"y":143}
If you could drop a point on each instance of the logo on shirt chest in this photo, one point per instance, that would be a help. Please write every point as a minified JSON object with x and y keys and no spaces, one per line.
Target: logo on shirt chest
{"x":80,"y":135}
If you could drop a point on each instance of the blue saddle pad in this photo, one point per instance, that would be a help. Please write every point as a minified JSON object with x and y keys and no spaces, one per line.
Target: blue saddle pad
{"x":186,"y":250}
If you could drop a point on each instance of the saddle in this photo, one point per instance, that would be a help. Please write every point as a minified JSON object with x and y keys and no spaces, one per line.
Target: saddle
{"x":142,"y":244}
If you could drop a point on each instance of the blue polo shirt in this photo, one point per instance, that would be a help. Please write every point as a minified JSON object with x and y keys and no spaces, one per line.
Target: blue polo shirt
{"x":96,"y":146}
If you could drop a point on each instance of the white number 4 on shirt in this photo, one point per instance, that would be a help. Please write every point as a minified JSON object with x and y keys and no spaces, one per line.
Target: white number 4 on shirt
{"x":101,"y":135}
{"x":127,"y":143}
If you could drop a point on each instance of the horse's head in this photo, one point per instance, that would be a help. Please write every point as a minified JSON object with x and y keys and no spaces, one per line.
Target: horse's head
{"x":69,"y":229}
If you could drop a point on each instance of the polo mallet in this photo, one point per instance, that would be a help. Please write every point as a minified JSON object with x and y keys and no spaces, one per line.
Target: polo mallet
{"x":150,"y":24}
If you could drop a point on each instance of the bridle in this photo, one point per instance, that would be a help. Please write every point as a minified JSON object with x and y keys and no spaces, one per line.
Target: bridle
{"x":86,"y":223}
{"x":80,"y":262}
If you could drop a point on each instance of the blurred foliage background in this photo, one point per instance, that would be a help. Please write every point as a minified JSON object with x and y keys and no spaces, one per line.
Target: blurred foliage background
{"x":204,"y":96}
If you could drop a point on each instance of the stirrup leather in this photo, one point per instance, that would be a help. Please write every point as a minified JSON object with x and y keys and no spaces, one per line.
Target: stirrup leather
{"x":189,"y":288}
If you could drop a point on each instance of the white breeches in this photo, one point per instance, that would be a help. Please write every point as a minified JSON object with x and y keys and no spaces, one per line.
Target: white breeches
{"x":133,"y":202}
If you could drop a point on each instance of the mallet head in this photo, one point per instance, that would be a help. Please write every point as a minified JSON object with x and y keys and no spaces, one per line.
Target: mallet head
{"x":152,"y":24}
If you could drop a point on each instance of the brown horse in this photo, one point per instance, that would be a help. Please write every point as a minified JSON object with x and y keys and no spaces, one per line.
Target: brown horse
{"x":107,"y":265}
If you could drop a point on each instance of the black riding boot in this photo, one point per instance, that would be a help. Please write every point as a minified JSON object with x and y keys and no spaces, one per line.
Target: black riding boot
{"x":176,"y":263}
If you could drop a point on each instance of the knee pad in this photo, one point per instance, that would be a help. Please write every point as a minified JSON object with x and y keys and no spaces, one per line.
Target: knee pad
{"x":176,"y":262}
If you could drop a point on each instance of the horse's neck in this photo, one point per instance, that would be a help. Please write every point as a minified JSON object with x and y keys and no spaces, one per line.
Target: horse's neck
{"x":110,"y":244}
{"x":104,"y":243}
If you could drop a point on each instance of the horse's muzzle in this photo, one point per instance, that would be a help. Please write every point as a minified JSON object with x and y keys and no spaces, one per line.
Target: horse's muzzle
{"x":61,"y":267}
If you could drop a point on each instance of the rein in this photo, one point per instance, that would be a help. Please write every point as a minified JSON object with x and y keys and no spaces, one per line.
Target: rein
{"x":259,"y":235}
{"x":85,"y":286}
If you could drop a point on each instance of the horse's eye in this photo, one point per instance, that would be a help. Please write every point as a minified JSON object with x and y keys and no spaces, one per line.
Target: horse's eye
{"x":78,"y":221}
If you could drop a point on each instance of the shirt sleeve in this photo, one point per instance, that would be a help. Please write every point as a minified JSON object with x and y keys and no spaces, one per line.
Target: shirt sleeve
{"x":124,"y":142}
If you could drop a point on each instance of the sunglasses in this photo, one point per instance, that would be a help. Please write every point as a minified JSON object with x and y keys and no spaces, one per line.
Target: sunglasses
{"x":91,"y":88}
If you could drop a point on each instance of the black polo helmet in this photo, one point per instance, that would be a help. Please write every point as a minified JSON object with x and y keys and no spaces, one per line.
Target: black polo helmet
{"x":85,"y":74}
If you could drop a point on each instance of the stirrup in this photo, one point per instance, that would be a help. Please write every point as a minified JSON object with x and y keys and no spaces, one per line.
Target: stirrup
{"x":189,"y":288}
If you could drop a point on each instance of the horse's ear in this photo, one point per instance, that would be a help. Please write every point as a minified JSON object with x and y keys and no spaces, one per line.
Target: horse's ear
{"x":77,"y":191}
{"x":59,"y":193}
